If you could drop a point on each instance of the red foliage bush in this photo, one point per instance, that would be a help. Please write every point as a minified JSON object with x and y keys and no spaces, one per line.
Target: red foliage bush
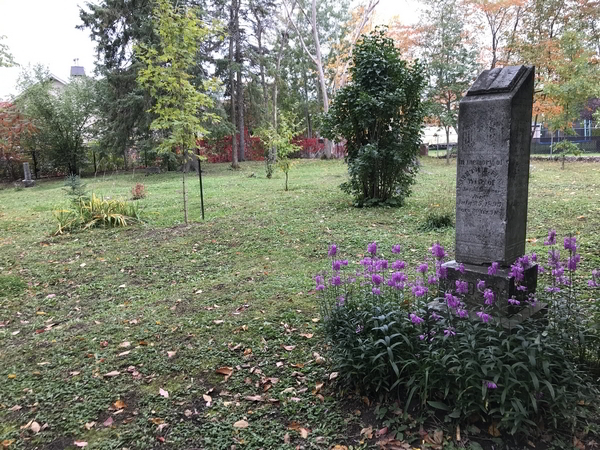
{"x":220,"y":151}
{"x":138,"y":191}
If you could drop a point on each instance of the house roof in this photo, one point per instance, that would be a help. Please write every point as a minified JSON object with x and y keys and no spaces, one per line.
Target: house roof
{"x":55,"y":78}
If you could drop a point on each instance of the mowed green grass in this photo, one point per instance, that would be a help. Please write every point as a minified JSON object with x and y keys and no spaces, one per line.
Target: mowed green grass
{"x":233,"y":291}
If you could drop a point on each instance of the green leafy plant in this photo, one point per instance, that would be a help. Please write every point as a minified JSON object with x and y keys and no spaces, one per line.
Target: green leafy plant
{"x":379,"y":115}
{"x":437,"y":221}
{"x":281,"y":139}
{"x":96,"y":212}
{"x":565,"y":148}
{"x":75,"y":188}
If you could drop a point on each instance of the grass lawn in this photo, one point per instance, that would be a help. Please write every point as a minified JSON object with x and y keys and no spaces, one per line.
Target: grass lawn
{"x":95,"y":325}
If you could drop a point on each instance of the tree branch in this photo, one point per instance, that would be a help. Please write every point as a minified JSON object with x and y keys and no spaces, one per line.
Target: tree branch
{"x":314,"y":58}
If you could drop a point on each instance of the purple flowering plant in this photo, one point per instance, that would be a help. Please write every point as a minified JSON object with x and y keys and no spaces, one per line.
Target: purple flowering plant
{"x":388,"y":320}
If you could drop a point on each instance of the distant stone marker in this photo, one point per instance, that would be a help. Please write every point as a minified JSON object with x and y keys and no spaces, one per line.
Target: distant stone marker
{"x":28,"y":182}
{"x":492,"y":180}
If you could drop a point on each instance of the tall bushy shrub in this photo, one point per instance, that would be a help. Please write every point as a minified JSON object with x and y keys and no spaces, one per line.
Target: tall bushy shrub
{"x":379,"y":114}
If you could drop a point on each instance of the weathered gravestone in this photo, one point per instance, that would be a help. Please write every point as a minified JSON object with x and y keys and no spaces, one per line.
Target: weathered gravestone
{"x":491,"y":187}
{"x":28,"y":182}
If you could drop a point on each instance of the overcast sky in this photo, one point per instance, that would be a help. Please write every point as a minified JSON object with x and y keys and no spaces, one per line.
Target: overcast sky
{"x":43,"y":31}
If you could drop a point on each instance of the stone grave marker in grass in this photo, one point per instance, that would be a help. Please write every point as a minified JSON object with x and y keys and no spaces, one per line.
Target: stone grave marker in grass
{"x":28,"y":182}
{"x":492,"y":188}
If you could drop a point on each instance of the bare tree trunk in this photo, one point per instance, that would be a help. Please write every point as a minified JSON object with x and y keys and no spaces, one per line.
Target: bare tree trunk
{"x":259,"y":32}
{"x":363,"y":21}
{"x":240,"y":84}
{"x":447,"y":145}
{"x":306,"y":111}
{"x":234,"y":149}
{"x":283,"y":43}
{"x":319,"y":63}
{"x":317,"y":59}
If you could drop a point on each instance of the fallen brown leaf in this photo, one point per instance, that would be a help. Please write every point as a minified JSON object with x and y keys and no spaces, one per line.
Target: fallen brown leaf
{"x":119,"y":404}
{"x":227,"y":371}
{"x":368,"y":432}
{"x":493,"y":431}
{"x":241,"y":424}
{"x":114,"y":373}
{"x":35,"y":427}
{"x":163,"y":393}
{"x":108,"y":422}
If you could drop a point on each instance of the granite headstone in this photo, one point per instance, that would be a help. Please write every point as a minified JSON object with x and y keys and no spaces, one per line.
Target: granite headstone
{"x":28,"y":182}
{"x":492,"y":183}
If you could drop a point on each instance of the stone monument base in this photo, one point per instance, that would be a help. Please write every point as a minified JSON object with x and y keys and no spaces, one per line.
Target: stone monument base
{"x":28,"y":183}
{"x":502,"y":284}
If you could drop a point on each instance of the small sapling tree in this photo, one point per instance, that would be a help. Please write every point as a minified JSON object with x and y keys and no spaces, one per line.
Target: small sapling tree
{"x":281,"y":139}
{"x":167,"y":75}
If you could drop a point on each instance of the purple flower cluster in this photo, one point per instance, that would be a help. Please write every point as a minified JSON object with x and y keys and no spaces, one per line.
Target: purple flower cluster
{"x":319,"y":280}
{"x":438,"y":251}
{"x":485,"y":317}
{"x":493,"y":269}
{"x":571,"y":244}
{"x":480,"y":285}
{"x":398,"y":265}
{"x":398,"y":280}
{"x":462,"y":287}
{"x":551,"y":240}
{"x":419,"y":290}
{"x":372,"y":248}
{"x":416,"y":319}
{"x":452,"y":301}
{"x":489,"y":297}
{"x":595,"y":281}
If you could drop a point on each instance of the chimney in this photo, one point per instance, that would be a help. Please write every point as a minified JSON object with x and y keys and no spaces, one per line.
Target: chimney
{"x":76,"y":70}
